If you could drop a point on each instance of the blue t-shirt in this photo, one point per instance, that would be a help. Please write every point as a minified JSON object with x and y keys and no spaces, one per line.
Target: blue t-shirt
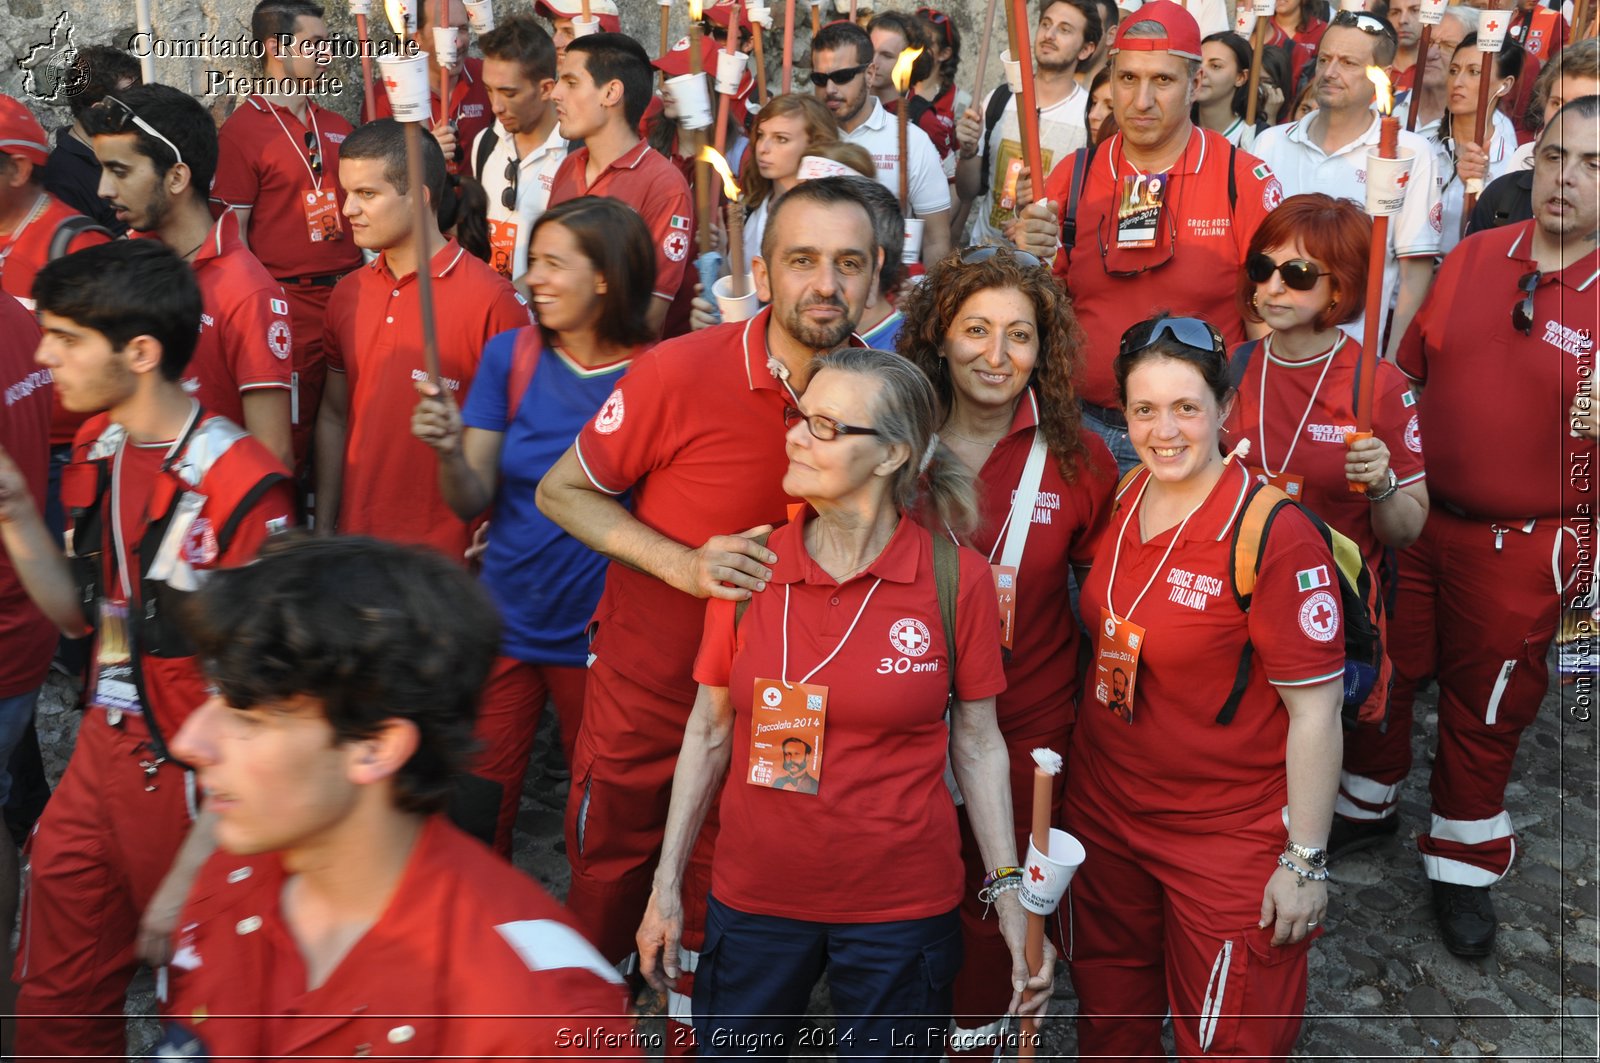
{"x":886,"y":335}
{"x":544,"y":581}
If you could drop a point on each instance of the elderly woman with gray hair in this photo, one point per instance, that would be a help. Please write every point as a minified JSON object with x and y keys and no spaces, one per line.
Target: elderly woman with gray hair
{"x":823,"y":703}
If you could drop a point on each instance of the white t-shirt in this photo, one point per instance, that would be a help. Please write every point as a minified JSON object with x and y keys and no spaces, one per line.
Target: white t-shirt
{"x":1063,"y":129}
{"x":535,"y":172}
{"x":880,"y":135}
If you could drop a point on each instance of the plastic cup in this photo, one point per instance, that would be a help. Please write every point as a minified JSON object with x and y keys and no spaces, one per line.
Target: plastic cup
{"x":582,"y":27}
{"x":480,"y":14}
{"x":815,"y":166}
{"x":730,"y":71}
{"x":1244,"y":22}
{"x":1045,"y":877}
{"x":1432,"y":12}
{"x":1387,"y":180}
{"x":913,"y":249}
{"x":360,"y":7}
{"x":445,"y":42}
{"x":405,"y":79}
{"x":1492,"y":30}
{"x":1013,"y":72}
{"x":693,"y":99}
{"x":742,"y":308}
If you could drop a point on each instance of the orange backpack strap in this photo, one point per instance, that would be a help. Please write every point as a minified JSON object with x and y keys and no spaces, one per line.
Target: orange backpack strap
{"x":1262,"y":506}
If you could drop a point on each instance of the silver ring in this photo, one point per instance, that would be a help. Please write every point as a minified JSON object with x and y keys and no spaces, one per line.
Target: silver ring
{"x":1366,"y":466}
{"x":1310,"y":923}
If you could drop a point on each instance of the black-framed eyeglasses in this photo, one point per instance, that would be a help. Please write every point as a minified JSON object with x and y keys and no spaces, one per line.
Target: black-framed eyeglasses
{"x":1300,"y":274}
{"x":313,"y":153}
{"x":842,"y":76}
{"x":1189,"y":331}
{"x":941,"y":20}
{"x":508,"y":194}
{"x":824,"y":428}
{"x":1105,"y":249}
{"x":1364,"y":22}
{"x":1522,"y":312}
{"x":984,"y":252}
{"x":139,"y":123}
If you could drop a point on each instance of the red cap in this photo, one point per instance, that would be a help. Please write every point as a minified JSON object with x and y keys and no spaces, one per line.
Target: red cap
{"x":604,"y":10}
{"x":1183,"y":32}
{"x":676,"y":61}
{"x":20,"y":132}
{"x":722,"y":14}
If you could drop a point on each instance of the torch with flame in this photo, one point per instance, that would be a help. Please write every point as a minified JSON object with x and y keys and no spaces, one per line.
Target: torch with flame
{"x":1381,"y":85}
{"x":901,"y":77}
{"x":730,"y":188}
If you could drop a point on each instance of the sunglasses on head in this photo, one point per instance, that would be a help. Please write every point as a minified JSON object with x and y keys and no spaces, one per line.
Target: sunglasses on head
{"x":983,"y":253}
{"x":1364,"y":22}
{"x":839,"y":77}
{"x":1300,"y":274}
{"x":1189,"y":331}
{"x":941,"y":20}
{"x":1522,"y":310}
{"x":140,"y":124}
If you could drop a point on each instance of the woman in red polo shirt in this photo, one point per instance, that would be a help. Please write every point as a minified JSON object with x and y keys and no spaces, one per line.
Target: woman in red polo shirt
{"x":1192,"y":897}
{"x":996,"y":335}
{"x":846,"y":863}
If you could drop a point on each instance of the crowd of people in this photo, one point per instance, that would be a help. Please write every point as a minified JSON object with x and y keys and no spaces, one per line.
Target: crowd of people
{"x":333,"y":455}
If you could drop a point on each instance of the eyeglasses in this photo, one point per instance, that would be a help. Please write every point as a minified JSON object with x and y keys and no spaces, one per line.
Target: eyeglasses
{"x":1364,"y":22}
{"x":942,"y":20}
{"x":1105,"y":249}
{"x":983,"y":253}
{"x":838,"y":77}
{"x":508,"y":194}
{"x":1300,"y":274}
{"x":314,"y":154}
{"x":146,"y":127}
{"x":1189,"y":331}
{"x":824,"y":428}
{"x":1522,"y":312}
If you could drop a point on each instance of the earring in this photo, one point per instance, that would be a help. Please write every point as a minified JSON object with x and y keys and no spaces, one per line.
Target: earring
{"x":1254,"y":299}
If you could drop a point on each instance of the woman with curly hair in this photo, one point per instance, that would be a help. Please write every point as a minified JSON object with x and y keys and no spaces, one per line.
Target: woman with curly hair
{"x":996,"y":335}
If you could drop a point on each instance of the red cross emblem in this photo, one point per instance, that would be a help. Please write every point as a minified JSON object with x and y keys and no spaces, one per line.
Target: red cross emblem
{"x":1403,"y":180}
{"x":1036,"y":874}
{"x":389,"y":84}
{"x":1491,"y":25}
{"x":1322,"y":615}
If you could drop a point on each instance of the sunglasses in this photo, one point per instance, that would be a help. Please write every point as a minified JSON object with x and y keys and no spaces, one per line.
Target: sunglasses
{"x":973,"y":255}
{"x":1522,"y":311}
{"x":1364,"y":22}
{"x":1189,"y":331}
{"x":823,"y":428}
{"x":838,"y":77}
{"x":941,"y":20}
{"x":508,"y":194}
{"x":315,"y":155}
{"x":1300,"y":274}
{"x":145,"y":127}
{"x":1101,"y":234}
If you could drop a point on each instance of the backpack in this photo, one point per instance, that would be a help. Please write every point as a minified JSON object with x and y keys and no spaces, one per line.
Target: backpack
{"x":486,"y":143}
{"x":69,"y":230}
{"x":991,"y":118}
{"x":1080,"y":172}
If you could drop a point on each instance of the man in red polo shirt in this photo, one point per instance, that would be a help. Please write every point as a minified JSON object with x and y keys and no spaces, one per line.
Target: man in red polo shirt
{"x":1510,"y":511}
{"x":695,"y":432}
{"x":603,"y":87}
{"x":278,"y":168}
{"x":467,"y":114}
{"x":367,"y":459}
{"x":158,"y":150}
{"x":1184,"y":254}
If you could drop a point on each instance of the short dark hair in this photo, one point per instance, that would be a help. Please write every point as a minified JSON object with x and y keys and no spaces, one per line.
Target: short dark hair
{"x":1587,"y":107}
{"x":1241,"y":59}
{"x":824,"y":190}
{"x":275,"y":19}
{"x":836,"y":36}
{"x":521,"y":40}
{"x":1212,"y":366}
{"x":612,"y":57}
{"x":889,"y":225}
{"x":173,"y":113}
{"x":97,"y":70}
{"x":914,"y":32}
{"x":1093,"y":25}
{"x":373,"y":630}
{"x":616,"y":242}
{"x":124,"y":289}
{"x":385,"y":139}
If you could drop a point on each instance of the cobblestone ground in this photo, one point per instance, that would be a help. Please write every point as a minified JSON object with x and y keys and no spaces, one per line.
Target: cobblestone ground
{"x":1382,"y":986}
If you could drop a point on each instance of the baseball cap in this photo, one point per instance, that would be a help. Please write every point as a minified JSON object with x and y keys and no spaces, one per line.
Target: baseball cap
{"x":604,"y":10}
{"x":20,"y":132}
{"x":722,"y":14}
{"x":1182,"y":37}
{"x":676,"y":61}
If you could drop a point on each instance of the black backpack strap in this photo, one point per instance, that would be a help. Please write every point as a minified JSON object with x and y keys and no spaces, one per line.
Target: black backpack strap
{"x":947,"y":585}
{"x":69,"y":230}
{"x":1233,"y":179}
{"x":1239,"y":364}
{"x":991,"y":118}
{"x":486,"y":144}
{"x":1069,"y":213}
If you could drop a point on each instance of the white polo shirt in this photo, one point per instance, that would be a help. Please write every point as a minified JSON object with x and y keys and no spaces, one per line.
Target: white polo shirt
{"x":1063,"y":129}
{"x":535,"y":172}
{"x":1452,"y":193}
{"x":1302,"y":166}
{"x":880,"y":135}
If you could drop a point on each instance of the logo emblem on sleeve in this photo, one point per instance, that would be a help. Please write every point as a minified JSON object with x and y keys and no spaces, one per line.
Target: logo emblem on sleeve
{"x":200,"y":545}
{"x":278,"y":338}
{"x":1414,"y":435}
{"x":1319,"y":617}
{"x":676,"y":245}
{"x":1272,"y":194}
{"x":609,"y":419}
{"x":910,"y":637}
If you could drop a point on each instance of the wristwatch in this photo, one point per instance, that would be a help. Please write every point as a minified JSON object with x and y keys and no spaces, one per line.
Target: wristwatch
{"x":1388,"y":490}
{"x":1317,"y":858}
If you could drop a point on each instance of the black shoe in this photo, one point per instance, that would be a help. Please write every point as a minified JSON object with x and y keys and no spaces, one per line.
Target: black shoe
{"x":1466,"y":918}
{"x":1353,"y":835}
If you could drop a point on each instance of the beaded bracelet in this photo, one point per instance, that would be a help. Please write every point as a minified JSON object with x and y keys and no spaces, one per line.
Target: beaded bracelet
{"x":991,"y":893}
{"x":1315,"y":875}
{"x":1001,"y":873}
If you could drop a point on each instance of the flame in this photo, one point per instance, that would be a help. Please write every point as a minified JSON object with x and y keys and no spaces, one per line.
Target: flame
{"x":395,"y":10}
{"x":694,"y":10}
{"x":719,"y":164}
{"x":901,"y":76}
{"x":1380,"y":82}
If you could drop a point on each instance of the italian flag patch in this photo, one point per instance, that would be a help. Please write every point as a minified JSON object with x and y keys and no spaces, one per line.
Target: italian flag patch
{"x":1409,"y":398}
{"x":1309,"y":579}
{"x":1262,"y":172}
{"x":679,"y":222}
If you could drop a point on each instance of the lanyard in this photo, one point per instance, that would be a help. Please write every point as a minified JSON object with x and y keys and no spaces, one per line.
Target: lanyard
{"x":16,"y":237}
{"x":1261,"y":407}
{"x":316,"y":182}
{"x":116,"y":494}
{"x":784,"y":674}
{"x":1116,"y":555}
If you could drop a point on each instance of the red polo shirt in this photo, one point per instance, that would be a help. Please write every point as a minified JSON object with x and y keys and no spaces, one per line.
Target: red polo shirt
{"x":373,"y":334}
{"x":245,"y":339}
{"x":695,"y":431}
{"x":263,"y":164}
{"x":1308,"y":412}
{"x":1494,"y":402}
{"x":881,"y":784}
{"x":644,"y":180}
{"x":1174,"y":761}
{"x":26,"y":636}
{"x":1195,"y":276}
{"x":469,"y":109}
{"x":1068,"y":519}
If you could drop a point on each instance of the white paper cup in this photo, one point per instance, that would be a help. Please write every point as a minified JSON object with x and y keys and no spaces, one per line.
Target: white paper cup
{"x":1432,"y":12}
{"x":1352,"y":5}
{"x":1264,"y":8}
{"x":582,"y":28}
{"x":663,"y":3}
{"x":1013,"y":72}
{"x":1386,"y":191}
{"x":360,"y":7}
{"x":759,"y":13}
{"x":913,"y":249}
{"x":744,"y":307}
{"x":405,"y":79}
{"x":815,"y":166}
{"x":1244,"y":22}
{"x":408,"y":8}
{"x":445,"y":44}
{"x":730,"y":71}
{"x":692,"y":98}
{"x":480,"y":13}
{"x":1045,"y":877}
{"x":1492,"y":30}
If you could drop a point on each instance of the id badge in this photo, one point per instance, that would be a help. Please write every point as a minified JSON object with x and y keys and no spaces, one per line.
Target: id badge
{"x":1139,"y":209}
{"x":786,"y":725}
{"x":502,"y":245}
{"x":322,"y":216}
{"x":114,"y":687}
{"x":1287,"y":482}
{"x":1005,"y":588}
{"x":1116,"y":665}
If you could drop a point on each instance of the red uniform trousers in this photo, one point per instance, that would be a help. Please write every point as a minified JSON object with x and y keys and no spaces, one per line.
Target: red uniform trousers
{"x":616,"y":816}
{"x":1477,"y":608}
{"x":508,"y":717}
{"x":308,"y":304}
{"x":94,"y":860}
{"x":983,"y":987}
{"x":1165,"y":917}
